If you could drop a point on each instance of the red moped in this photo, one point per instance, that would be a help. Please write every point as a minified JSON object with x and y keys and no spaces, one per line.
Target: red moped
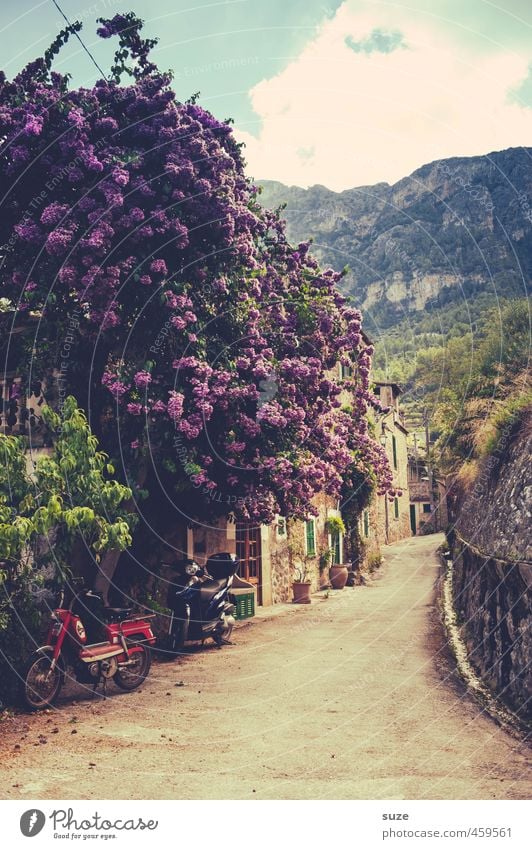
{"x":97,"y":642}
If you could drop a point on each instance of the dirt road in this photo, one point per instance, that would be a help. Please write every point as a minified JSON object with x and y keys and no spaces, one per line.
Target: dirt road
{"x":352,"y":697}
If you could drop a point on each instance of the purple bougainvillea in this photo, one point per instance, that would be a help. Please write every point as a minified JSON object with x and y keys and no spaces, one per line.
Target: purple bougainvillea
{"x":132,"y":212}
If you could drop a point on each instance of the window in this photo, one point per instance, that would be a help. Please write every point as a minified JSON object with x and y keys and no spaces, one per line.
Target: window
{"x":310,"y":538}
{"x":394,"y":451}
{"x":345,"y":372}
{"x":396,"y":508}
{"x":281,"y":526}
{"x":426,"y":508}
{"x":366,"y":523}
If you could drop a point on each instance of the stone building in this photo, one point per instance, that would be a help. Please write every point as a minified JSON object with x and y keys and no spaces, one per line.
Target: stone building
{"x":428,"y":501}
{"x":386,"y":521}
{"x":272,"y":556}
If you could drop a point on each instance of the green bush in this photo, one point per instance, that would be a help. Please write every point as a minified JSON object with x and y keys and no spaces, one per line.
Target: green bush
{"x":506,"y":417}
{"x":70,"y":501}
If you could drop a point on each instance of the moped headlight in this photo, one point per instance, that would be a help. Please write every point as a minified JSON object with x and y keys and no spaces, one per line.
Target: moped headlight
{"x":191,"y":568}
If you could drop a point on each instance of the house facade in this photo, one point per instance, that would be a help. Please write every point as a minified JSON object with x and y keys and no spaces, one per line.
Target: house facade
{"x":428,"y":500}
{"x":386,"y":521}
{"x":272,"y":556}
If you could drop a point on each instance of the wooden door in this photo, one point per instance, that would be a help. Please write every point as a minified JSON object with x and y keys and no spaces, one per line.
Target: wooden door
{"x":248,"y":551}
{"x":413,"y":526}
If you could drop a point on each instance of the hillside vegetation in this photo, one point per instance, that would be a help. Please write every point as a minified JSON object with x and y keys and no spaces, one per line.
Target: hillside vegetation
{"x":470,"y":382}
{"x":440,"y":264}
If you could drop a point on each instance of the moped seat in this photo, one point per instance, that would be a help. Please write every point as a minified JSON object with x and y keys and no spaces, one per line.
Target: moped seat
{"x":117,"y":613}
{"x":208,"y":589}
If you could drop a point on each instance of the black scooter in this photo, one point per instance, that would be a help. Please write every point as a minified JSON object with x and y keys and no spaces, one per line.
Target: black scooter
{"x":199,"y":601}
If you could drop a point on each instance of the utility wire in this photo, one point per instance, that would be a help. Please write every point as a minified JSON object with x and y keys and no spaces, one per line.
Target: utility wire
{"x":86,"y":49}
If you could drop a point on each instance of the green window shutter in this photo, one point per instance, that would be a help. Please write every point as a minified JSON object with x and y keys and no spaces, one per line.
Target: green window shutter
{"x":366,"y":523}
{"x":310,"y":537}
{"x":396,"y":507}
{"x":394,"y":449}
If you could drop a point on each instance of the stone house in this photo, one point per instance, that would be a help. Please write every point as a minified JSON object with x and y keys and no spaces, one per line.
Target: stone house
{"x":271,"y":556}
{"x":428,"y":504}
{"x":384,"y":522}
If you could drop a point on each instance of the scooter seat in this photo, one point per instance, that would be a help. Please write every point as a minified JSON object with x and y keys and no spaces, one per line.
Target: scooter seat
{"x":209,"y":589}
{"x":117,"y":613}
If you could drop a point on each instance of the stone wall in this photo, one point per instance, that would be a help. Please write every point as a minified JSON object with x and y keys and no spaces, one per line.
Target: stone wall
{"x":493,"y":600}
{"x":495,"y":512}
{"x":492,"y":556}
{"x":281,"y":581}
{"x":208,"y":538}
{"x":288,"y":553}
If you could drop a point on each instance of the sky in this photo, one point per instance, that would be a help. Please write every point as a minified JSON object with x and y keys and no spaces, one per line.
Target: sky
{"x":323,"y":91}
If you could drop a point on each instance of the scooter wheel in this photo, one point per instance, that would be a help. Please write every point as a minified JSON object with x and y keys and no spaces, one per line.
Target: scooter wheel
{"x":175,"y":643}
{"x":40,"y":683}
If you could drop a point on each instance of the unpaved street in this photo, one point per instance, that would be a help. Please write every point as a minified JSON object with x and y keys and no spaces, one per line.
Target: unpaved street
{"x":352,"y":697}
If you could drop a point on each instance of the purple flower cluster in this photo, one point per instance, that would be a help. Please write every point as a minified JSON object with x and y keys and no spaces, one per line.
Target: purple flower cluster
{"x":212,"y":328}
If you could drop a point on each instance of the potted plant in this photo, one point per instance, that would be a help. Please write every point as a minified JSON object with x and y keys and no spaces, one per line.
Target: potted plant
{"x":301,"y":585}
{"x":338,"y":572}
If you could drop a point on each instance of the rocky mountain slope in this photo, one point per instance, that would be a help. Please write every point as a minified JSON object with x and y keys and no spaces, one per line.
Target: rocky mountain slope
{"x":451,"y":230}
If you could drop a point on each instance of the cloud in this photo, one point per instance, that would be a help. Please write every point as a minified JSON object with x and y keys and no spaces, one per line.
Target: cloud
{"x":522,"y":93}
{"x":375,"y":115}
{"x":378,"y":41}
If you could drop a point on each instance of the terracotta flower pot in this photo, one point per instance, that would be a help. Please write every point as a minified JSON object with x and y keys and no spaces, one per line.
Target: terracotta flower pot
{"x":338,"y":576}
{"x":301,"y":592}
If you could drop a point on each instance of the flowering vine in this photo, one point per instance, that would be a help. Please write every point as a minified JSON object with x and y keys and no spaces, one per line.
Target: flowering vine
{"x":133,"y":211}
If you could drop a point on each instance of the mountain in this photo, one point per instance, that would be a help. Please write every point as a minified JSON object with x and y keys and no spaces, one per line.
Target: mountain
{"x":452,"y":231}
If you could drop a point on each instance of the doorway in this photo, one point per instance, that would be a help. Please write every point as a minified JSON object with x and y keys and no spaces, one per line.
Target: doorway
{"x":413,"y":527}
{"x":248,"y":551}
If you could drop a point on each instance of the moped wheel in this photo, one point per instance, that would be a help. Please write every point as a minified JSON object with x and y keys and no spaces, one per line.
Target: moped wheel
{"x":131,"y":676}
{"x":41,"y":683}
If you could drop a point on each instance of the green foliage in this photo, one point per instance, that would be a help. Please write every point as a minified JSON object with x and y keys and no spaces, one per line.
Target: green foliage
{"x":69,"y":498}
{"x":461,"y":372}
{"x":334,"y":525}
{"x":505,"y":418}
{"x":505,"y":350}
{"x":325,"y":556}
{"x":76,"y":496}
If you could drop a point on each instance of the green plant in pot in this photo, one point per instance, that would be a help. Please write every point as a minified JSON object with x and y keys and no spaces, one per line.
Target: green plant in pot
{"x":302,"y":584}
{"x":338,"y":572}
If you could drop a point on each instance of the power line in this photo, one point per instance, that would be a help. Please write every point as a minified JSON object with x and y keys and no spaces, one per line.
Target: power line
{"x":86,"y":49}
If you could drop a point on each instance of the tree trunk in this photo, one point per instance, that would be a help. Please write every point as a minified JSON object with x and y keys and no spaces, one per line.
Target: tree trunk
{"x":106,"y":571}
